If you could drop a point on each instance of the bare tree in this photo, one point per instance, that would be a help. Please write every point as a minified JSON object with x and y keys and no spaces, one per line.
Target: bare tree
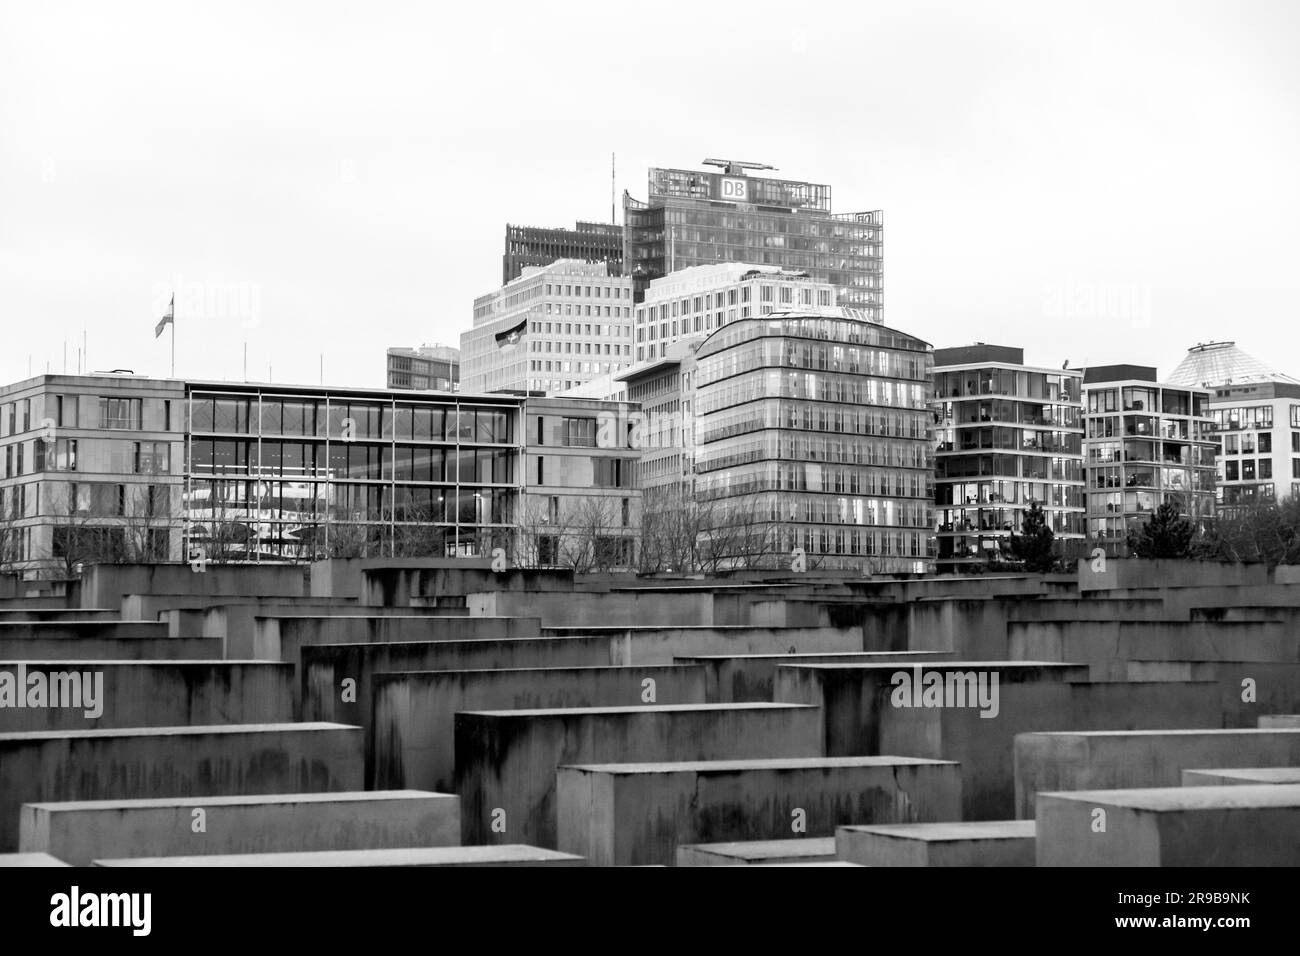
{"x":540,"y":531}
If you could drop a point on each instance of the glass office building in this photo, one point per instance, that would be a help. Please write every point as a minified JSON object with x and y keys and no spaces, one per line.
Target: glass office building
{"x":814,"y":432}
{"x":1007,"y":436}
{"x":289,"y":473}
{"x":694,"y":218}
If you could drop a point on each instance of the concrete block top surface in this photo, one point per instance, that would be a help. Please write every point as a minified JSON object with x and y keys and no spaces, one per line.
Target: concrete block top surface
{"x":655,"y":709}
{"x":952,"y":832}
{"x":1181,"y":799}
{"x":1273,"y":775}
{"x":515,"y":671}
{"x":814,"y":657}
{"x":82,"y":665}
{"x":227,"y":729}
{"x":412,"y":856}
{"x":936,"y":665}
{"x":771,"y":763}
{"x":258,"y":799}
{"x":30,"y":859}
{"x":770,"y":849}
{"x":1180,"y":732}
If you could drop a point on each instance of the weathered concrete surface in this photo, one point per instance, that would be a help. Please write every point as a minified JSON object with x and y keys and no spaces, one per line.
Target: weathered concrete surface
{"x":10,"y":615}
{"x":977,"y":843}
{"x":501,"y":855}
{"x":412,"y":729}
{"x":1092,"y":760}
{"x":282,"y":638}
{"x":1279,"y":721}
{"x":1246,"y":776}
{"x":758,"y":852}
{"x":166,"y":693}
{"x":1107,"y":647}
{"x":506,"y":760}
{"x":110,"y":648}
{"x":84,"y":831}
{"x":29,"y":859}
{"x":737,"y":678}
{"x":104,"y":585}
{"x":579,"y":609}
{"x":634,"y":813}
{"x":1275,"y":686}
{"x":69,"y":630}
{"x":140,"y":762}
{"x":660,"y":645}
{"x":434,"y":581}
{"x":859,"y":716}
{"x":1179,"y":826}
{"x":1140,"y":573}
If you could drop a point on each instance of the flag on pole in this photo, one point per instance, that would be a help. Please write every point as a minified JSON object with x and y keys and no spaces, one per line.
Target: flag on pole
{"x":511,"y":336}
{"x":170,"y":317}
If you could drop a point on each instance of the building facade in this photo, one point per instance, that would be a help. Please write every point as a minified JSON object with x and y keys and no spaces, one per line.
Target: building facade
{"x":814,"y":433}
{"x":699,"y":299}
{"x":1008,"y":435}
{"x":1256,"y":415}
{"x":1145,"y":443}
{"x":93,"y":471}
{"x":693,"y":218}
{"x":587,"y":242}
{"x":111,"y":468}
{"x":553,"y":328}
{"x":430,"y":367}
{"x":665,"y":391}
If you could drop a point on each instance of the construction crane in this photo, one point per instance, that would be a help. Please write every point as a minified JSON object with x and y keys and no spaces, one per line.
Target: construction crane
{"x":736,"y":167}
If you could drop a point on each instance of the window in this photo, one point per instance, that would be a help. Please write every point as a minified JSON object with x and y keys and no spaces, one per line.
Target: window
{"x":58,"y":455}
{"x":1265,"y":443}
{"x":121,"y":413}
{"x":580,"y":432}
{"x":152,"y":458}
{"x":1265,"y":468}
{"x":541,"y":470}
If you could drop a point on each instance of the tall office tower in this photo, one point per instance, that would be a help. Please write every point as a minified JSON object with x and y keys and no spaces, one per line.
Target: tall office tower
{"x":1145,"y":443}
{"x":693,"y":218}
{"x":1256,"y":414}
{"x":551,"y":329}
{"x":814,"y":432}
{"x":1008,"y":435}
{"x":587,"y":242}
{"x":435,"y":367}
{"x":699,"y":299}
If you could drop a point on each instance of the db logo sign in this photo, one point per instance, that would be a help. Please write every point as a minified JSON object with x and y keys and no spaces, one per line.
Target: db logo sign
{"x":735,"y":190}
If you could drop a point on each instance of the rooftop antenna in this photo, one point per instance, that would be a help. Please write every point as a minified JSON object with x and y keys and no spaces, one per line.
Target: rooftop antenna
{"x":736,"y":167}
{"x":612,"y":219}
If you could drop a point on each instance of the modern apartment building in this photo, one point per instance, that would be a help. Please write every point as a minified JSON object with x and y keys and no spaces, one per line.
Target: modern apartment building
{"x":430,"y":367}
{"x":1008,"y":435}
{"x":553,"y":328}
{"x":93,"y":471}
{"x":699,"y":299}
{"x":693,"y":218}
{"x":1256,"y":415}
{"x":113,"y":467}
{"x":1145,"y":443}
{"x":814,"y":432}
{"x":587,"y":242}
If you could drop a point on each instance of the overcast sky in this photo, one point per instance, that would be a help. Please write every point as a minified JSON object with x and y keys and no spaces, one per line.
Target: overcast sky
{"x":1098,"y":182}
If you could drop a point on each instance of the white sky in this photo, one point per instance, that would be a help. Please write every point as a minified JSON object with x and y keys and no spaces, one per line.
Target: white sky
{"x":1100,"y":182}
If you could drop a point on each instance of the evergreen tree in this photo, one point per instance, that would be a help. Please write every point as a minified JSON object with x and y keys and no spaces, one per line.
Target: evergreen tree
{"x":1033,"y":546}
{"x":1166,"y":534}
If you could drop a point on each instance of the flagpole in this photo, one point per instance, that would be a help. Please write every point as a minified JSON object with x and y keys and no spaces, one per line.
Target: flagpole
{"x":173,"y":324}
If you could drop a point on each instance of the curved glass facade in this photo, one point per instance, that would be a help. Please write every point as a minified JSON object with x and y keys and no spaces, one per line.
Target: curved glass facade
{"x":813,"y":432}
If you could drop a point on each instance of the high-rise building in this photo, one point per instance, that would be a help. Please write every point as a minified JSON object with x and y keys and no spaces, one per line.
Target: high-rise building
{"x":814,"y":432}
{"x":554,"y":327}
{"x":435,"y":367}
{"x":1145,"y":444}
{"x":587,"y":242}
{"x":1008,"y":435}
{"x":693,"y":218}
{"x":110,"y":468}
{"x":1256,"y":414}
{"x":698,"y":299}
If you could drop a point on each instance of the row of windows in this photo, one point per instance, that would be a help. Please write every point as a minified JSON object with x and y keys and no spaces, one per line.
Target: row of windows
{"x":1167,"y":401}
{"x":342,"y":421}
{"x":814,"y":386}
{"x":1166,"y":452}
{"x":355,"y":460}
{"x":771,"y":445}
{"x":1007,"y":492}
{"x":810,"y":416}
{"x":824,"y":357}
{"x":1146,"y":425}
{"x":580,"y":348}
{"x":794,"y":477}
{"x":616,"y":292}
{"x":222,"y":501}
